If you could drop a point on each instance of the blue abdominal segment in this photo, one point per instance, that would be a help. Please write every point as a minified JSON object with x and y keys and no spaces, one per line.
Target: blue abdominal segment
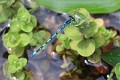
{"x":66,"y":23}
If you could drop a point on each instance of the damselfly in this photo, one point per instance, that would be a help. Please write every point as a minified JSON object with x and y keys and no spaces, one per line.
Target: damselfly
{"x":66,"y":23}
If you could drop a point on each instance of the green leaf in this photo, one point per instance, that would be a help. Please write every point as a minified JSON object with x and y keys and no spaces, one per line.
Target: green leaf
{"x":12,"y":69}
{"x":33,"y":21}
{"x":61,"y":37}
{"x":66,"y":43}
{"x":23,"y":61}
{"x":1,"y":9}
{"x":112,"y":57}
{"x":28,"y":27}
{"x":86,"y":47}
{"x":18,"y":65}
{"x":113,"y":33}
{"x":81,"y":16}
{"x":30,"y":34}
{"x":116,"y":41}
{"x":3,"y":1}
{"x":3,"y":17}
{"x":40,"y":41}
{"x":89,"y":31}
{"x":14,"y":25}
{"x":64,"y":40}
{"x":4,"y":14}
{"x":10,"y":2}
{"x":95,"y":57}
{"x":18,"y":51}
{"x":74,"y":44}
{"x":11,"y":39}
{"x":7,"y":3}
{"x":59,"y":48}
{"x":20,"y":75}
{"x":93,"y":6}
{"x":24,"y":40}
{"x":23,"y":15}
{"x":33,"y":42}
{"x":12,"y":59}
{"x":117,"y":70}
{"x":99,"y":40}
{"x":41,"y":34}
{"x":82,"y":13}
{"x":73,"y":33}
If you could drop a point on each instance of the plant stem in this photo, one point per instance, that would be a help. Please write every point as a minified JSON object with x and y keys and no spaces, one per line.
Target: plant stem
{"x":111,"y":74}
{"x":64,"y":59}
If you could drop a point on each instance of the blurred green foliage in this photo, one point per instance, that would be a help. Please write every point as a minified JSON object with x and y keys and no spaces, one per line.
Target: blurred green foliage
{"x":93,"y":6}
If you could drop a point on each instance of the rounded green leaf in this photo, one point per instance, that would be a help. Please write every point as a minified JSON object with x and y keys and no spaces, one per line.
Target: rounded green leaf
{"x":24,"y":40}
{"x":12,"y":59}
{"x":73,"y":33}
{"x":23,"y":61}
{"x":62,"y":37}
{"x":30,"y":34}
{"x":117,"y":70}
{"x":28,"y":27}
{"x":33,"y":42}
{"x":11,"y":39}
{"x":42,"y":34}
{"x":66,"y":43}
{"x":59,"y":48}
{"x":84,"y":12}
{"x":99,"y":40}
{"x":86,"y":47}
{"x":18,"y":51}
{"x":90,"y":30}
{"x":4,"y":16}
{"x":14,"y":25}
{"x":18,"y":65}
{"x":12,"y":69}
{"x":74,"y":44}
{"x":9,"y":3}
{"x":20,"y":75}
{"x":64,"y":40}
{"x":41,"y":41}
{"x":33,"y":21}
{"x":95,"y":57}
{"x":81,"y":16}
{"x":23,"y":15}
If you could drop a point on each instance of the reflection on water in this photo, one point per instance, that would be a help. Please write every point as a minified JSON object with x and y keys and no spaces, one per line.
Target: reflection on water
{"x":2,"y":60}
{"x":43,"y":66}
{"x":46,"y":66}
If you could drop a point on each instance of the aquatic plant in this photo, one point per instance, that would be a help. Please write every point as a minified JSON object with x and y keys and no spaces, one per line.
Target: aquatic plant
{"x":20,"y":26}
{"x":8,"y":6}
{"x":39,"y":37}
{"x":85,"y":37}
{"x":16,"y":65}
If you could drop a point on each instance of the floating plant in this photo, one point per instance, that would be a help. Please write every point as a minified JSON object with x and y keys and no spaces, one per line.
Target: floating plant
{"x":86,"y":37}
